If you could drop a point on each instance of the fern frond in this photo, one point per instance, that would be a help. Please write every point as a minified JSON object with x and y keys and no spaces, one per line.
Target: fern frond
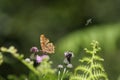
{"x":94,"y":70}
{"x":83,"y":68}
{"x":76,"y":77}
{"x":85,"y":59}
{"x":97,"y":66}
{"x":99,"y":74}
{"x":88,"y":51}
{"x":97,"y":58}
{"x":13,"y":51}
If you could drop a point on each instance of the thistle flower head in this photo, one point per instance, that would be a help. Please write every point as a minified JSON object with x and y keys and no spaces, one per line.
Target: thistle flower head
{"x":34,"y":50}
{"x":69,"y":66}
{"x":39,"y":59}
{"x":60,"y":66}
{"x":45,"y":57}
{"x":68,"y":56}
{"x":27,"y":60}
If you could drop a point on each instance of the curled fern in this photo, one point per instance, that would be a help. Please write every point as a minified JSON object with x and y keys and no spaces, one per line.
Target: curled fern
{"x":90,"y":67}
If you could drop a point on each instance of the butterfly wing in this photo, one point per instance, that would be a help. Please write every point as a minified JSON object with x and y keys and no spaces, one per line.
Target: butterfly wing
{"x":50,"y":48}
{"x":45,"y":45}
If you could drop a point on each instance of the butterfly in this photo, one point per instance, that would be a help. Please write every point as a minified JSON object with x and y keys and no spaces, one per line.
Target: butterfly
{"x":89,"y":21}
{"x":46,"y":46}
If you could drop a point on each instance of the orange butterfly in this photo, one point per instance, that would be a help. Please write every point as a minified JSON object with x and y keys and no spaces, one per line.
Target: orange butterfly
{"x":46,"y":46}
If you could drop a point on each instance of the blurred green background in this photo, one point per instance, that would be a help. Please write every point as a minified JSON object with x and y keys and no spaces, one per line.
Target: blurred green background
{"x":69,"y":24}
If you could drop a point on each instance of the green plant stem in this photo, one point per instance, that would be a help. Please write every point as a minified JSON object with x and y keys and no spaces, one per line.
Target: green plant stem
{"x":63,"y":73}
{"x":59,"y":75}
{"x":91,"y":64}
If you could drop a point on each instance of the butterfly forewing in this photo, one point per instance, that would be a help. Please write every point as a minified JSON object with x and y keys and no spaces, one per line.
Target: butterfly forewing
{"x":45,"y":45}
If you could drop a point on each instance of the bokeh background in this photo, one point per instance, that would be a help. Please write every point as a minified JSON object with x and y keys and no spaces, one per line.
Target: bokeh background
{"x":69,"y":24}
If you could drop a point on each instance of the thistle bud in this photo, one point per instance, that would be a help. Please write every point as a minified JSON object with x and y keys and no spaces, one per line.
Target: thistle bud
{"x":34,"y":50}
